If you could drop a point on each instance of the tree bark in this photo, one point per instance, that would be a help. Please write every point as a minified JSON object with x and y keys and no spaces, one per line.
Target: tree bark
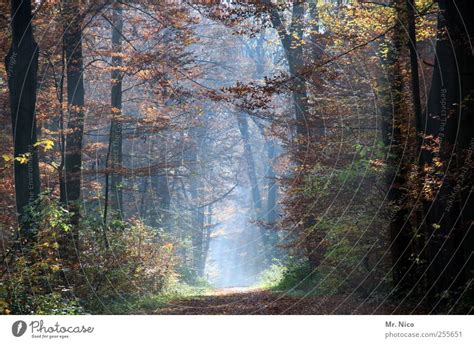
{"x":251,"y":170}
{"x":396,"y":136}
{"x":415,"y":80}
{"x":449,"y":132}
{"x":70,"y":183}
{"x":291,"y":42}
{"x":116,"y":139}
{"x":22,"y":65}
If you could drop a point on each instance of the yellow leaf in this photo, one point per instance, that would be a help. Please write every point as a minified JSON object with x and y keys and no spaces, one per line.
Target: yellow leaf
{"x":6,"y":157}
{"x":46,"y":144}
{"x":23,"y":158}
{"x":55,"y":267}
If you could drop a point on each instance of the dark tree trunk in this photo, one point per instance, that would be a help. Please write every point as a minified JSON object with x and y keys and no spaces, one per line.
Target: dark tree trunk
{"x":70,"y":183}
{"x":415,"y":80}
{"x":296,"y":66}
{"x":116,"y":102}
{"x":295,"y":54}
{"x":396,"y":136}
{"x":449,"y":132}
{"x":21,"y":66}
{"x":295,"y":57}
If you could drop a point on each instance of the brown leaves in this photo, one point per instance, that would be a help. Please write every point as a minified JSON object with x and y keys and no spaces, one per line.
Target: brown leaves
{"x":257,"y":301}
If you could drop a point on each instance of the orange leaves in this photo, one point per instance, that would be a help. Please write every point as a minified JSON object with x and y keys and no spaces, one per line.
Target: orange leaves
{"x":377,"y":164}
{"x":153,"y":114}
{"x":144,"y":74}
{"x":115,"y":111}
{"x":76,"y":109}
{"x":168,"y":246}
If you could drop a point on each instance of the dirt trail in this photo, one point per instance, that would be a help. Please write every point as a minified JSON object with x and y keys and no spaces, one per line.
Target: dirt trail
{"x":258,"y":301}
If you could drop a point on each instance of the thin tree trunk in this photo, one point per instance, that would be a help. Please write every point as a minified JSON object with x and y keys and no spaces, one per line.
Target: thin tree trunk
{"x":162,"y":201}
{"x":207,"y":238}
{"x":272,"y":196}
{"x":415,"y":81}
{"x":116,"y":102}
{"x":251,"y":170}
{"x":70,"y":183}
{"x":197,"y":215}
{"x":197,"y":228}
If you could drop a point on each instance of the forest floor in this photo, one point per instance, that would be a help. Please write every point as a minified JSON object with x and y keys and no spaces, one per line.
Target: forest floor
{"x":261,"y":301}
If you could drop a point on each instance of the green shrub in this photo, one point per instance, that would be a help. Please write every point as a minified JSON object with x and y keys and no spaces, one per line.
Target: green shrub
{"x":124,"y":263}
{"x":272,"y":277}
{"x":299,"y":277}
{"x":135,"y":262}
{"x":34,"y":283}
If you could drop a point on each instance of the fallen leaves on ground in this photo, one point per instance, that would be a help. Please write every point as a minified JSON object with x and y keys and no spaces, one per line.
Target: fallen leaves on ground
{"x":240,"y":301}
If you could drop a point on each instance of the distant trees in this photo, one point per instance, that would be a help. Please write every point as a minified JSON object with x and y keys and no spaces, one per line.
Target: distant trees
{"x":423,"y":154}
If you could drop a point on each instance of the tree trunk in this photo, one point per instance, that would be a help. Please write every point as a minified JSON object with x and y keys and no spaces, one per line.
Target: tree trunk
{"x":197,"y":214}
{"x":296,"y":65}
{"x":21,"y":66}
{"x":197,"y":223}
{"x":449,"y":132}
{"x":272,"y":196}
{"x":251,"y":170}
{"x":252,"y":176}
{"x":207,"y":239}
{"x":415,"y":80}
{"x":161,"y":201}
{"x":396,"y":135}
{"x":116,"y":102}
{"x":70,"y":183}
{"x":292,"y":44}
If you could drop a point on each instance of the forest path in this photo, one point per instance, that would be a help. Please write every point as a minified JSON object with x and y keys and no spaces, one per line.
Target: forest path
{"x":260,"y":301}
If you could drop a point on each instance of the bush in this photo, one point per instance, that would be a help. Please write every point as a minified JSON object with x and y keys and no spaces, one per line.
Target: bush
{"x":298,"y":276}
{"x":272,"y":277}
{"x":34,"y":282}
{"x":129,"y":260}
{"x":133,"y":262}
